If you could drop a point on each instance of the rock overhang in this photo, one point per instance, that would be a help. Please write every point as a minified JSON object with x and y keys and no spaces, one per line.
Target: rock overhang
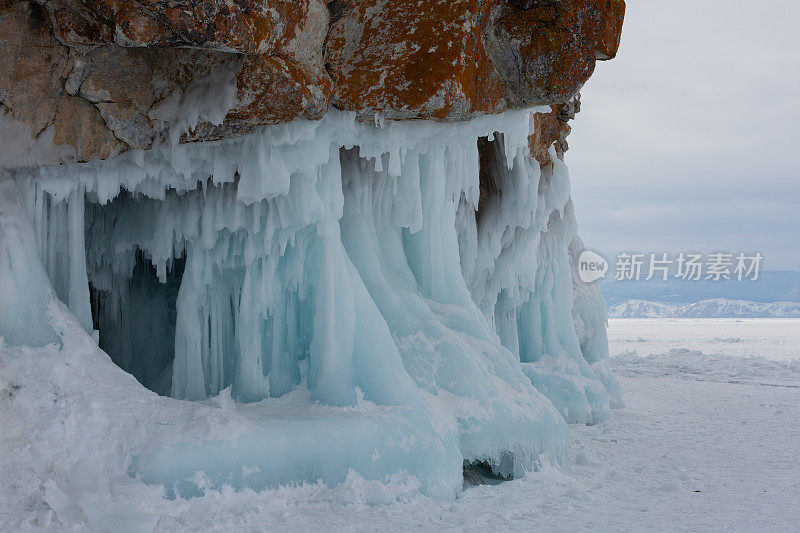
{"x":93,"y":76}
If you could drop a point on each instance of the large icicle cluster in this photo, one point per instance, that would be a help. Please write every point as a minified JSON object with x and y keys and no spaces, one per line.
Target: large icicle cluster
{"x":392,"y":265}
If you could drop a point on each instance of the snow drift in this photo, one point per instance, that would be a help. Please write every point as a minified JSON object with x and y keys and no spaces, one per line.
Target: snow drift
{"x":389,"y":298}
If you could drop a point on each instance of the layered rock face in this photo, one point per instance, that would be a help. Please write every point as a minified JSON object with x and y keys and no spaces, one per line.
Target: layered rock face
{"x":88,"y":79}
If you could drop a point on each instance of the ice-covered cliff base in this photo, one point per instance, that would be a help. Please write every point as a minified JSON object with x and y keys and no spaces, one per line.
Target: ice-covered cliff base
{"x":392,"y":298}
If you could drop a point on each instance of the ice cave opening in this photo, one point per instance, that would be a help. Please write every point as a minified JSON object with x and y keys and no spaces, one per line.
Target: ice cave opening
{"x":134,"y":307}
{"x":136,"y":323}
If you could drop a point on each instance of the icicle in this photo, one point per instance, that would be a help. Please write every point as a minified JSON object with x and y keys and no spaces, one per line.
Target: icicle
{"x":25,"y":290}
{"x":78,"y":281}
{"x":248,"y":381}
{"x":331,"y":364}
{"x":188,"y":379}
{"x":284,"y":373}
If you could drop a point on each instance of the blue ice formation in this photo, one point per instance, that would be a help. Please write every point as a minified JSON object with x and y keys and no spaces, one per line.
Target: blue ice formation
{"x":377,"y":297}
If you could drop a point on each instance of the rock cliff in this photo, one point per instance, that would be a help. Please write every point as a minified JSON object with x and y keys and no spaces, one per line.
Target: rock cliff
{"x":88,"y":79}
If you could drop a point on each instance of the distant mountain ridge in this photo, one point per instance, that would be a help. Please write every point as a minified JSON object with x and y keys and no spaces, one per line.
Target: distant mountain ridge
{"x":640,"y":309}
{"x":711,"y":308}
{"x":771,"y":286}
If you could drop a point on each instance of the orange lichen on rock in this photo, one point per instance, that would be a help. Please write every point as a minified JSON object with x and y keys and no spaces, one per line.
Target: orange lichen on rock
{"x":244,"y":26}
{"x":423,"y":59}
{"x":455,"y":59}
{"x":109,"y":64}
{"x":32,"y":95}
{"x":96,"y":70}
{"x":271,"y":90}
{"x":545,"y":51}
{"x":552,"y":128}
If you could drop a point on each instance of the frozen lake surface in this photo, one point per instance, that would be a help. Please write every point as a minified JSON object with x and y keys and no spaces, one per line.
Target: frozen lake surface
{"x":776,"y":339}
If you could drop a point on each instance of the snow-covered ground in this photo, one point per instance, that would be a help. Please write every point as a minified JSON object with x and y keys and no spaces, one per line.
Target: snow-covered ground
{"x":776,"y":339}
{"x":709,"y":439}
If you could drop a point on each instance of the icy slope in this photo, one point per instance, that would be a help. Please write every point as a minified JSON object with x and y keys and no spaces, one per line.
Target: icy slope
{"x":333,"y":273}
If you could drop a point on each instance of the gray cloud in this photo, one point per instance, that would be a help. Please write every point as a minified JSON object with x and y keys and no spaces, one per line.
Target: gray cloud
{"x":689,"y":139}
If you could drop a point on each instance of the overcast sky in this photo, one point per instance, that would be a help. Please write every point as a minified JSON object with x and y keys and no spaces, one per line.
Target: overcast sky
{"x":689,"y":140}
